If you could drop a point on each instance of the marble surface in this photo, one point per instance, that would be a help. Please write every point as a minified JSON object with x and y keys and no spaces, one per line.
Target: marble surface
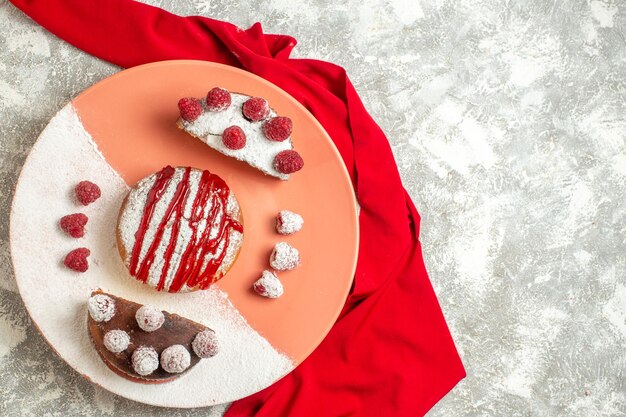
{"x":508,"y":122}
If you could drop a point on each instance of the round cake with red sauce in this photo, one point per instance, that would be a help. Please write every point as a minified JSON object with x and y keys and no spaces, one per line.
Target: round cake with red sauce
{"x":180,"y":229}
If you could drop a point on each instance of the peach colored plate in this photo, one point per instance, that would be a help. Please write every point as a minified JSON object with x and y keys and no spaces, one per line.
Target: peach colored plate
{"x":131,"y":118}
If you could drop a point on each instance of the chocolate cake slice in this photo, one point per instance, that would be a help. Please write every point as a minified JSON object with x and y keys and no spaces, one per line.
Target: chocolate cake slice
{"x":164,"y":351}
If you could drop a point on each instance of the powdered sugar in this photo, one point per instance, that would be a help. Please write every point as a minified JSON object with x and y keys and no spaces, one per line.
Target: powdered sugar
{"x":288,"y":222}
{"x":268,"y":285}
{"x":284,"y":257}
{"x":116,"y":341}
{"x":101,"y":307}
{"x":175,"y":359}
{"x":258,"y":152}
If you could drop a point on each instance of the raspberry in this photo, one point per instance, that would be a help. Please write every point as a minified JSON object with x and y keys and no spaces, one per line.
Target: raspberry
{"x":234,"y":137}
{"x":190,"y":108}
{"x":205,"y":344}
{"x":77,"y":259}
{"x":288,"y":222}
{"x":284,"y":257}
{"x":256,"y":109}
{"x":278,"y":128}
{"x":74,"y":224}
{"x":288,"y":161}
{"x":268,"y":285}
{"x":87,"y":192}
{"x":218,"y":99}
{"x":149,"y":318}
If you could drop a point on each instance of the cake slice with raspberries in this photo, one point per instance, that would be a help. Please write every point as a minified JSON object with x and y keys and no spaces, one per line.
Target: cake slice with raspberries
{"x":242,"y":127}
{"x":144,"y":344}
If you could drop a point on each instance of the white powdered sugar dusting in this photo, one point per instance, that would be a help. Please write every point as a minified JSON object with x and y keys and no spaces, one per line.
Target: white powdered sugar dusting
{"x":116,"y":341}
{"x":131,"y":216}
{"x":268,"y":285}
{"x":247,"y":362}
{"x":258,"y":152}
{"x":288,"y":222}
{"x":101,"y":307}
{"x":284,"y":257}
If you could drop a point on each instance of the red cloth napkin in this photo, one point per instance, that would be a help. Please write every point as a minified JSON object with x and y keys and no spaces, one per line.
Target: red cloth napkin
{"x":390,"y":352}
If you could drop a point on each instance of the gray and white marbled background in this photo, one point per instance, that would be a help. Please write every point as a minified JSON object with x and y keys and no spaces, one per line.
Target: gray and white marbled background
{"x":508,"y":122}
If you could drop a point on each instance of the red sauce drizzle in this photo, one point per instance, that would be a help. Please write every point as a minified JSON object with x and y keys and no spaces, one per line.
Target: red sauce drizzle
{"x":194,"y":268}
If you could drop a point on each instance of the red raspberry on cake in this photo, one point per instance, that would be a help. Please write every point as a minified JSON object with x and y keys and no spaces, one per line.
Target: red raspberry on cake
{"x":77,"y":259}
{"x":205,"y":344}
{"x":175,"y":359}
{"x":190,"y":108}
{"x":234,"y":137}
{"x":218,"y":99}
{"x":288,"y":162}
{"x":278,"y":128}
{"x":87,"y":192}
{"x":255,"y":109}
{"x":149,"y":318}
{"x":74,"y":224}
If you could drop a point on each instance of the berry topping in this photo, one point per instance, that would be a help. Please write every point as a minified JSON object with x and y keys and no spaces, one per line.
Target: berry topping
{"x":175,"y":359}
{"x":256,"y":109}
{"x":205,"y":344}
{"x":268,"y":285}
{"x":288,"y":222}
{"x":218,"y":99}
{"x":149,"y":318}
{"x":77,"y":259}
{"x":288,"y":162}
{"x":74,"y":224}
{"x":190,"y":108}
{"x":284,"y":257}
{"x":87,"y":192}
{"x":145,"y":360}
{"x":234,"y":137}
{"x":116,"y":341}
{"x":278,"y":128}
{"x":101,"y":307}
